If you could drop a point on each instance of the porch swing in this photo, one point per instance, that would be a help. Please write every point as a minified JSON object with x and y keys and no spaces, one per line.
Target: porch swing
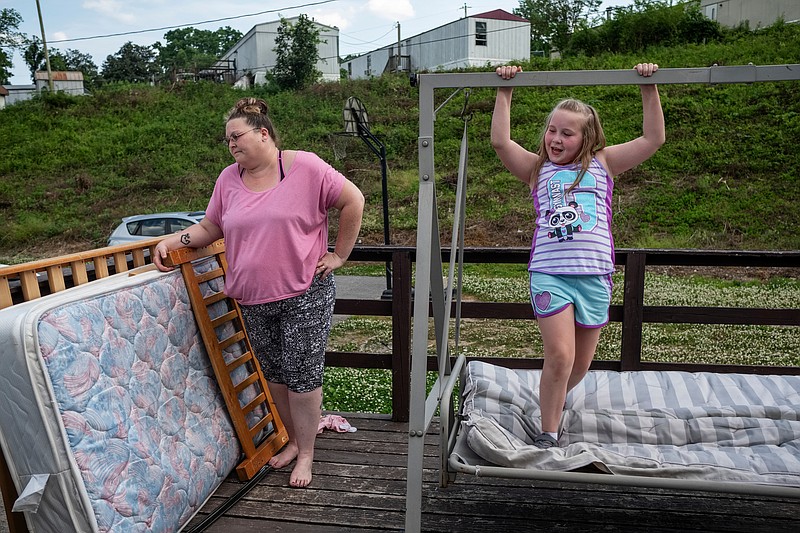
{"x":610,"y":438}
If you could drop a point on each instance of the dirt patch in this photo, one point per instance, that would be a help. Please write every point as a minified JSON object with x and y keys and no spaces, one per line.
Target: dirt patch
{"x":49,"y":248}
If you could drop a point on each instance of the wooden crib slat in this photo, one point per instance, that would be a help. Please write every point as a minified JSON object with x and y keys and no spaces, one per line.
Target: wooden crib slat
{"x":30,"y":285}
{"x":5,"y":293}
{"x":138,"y":257}
{"x":120,"y":262}
{"x":101,"y":267}
{"x":79,"y":274}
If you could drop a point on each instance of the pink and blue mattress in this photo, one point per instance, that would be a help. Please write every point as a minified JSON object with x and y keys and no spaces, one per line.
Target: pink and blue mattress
{"x":107,"y":394}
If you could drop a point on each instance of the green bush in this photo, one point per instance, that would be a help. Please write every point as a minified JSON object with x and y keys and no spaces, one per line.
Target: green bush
{"x":635,"y":28}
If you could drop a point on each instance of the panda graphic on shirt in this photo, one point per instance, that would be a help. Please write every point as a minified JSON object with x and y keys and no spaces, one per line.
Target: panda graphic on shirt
{"x":566,"y":215}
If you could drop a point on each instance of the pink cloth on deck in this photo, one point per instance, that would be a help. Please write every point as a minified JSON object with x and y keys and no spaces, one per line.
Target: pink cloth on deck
{"x":336,"y":423}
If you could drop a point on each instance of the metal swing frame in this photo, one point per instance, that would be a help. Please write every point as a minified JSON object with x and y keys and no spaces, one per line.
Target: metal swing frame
{"x":429,"y":274}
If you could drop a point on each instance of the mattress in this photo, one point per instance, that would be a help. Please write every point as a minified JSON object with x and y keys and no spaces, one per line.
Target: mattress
{"x":706,"y":426}
{"x":107,"y":393}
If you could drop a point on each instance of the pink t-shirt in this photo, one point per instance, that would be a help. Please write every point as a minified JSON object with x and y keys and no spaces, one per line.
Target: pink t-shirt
{"x":274,"y":238}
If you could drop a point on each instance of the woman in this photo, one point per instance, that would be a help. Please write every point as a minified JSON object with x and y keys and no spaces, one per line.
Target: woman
{"x":271,"y":206}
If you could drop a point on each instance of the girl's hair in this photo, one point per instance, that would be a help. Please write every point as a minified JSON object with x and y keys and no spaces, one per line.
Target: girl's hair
{"x":255,"y":111}
{"x":593,"y":138}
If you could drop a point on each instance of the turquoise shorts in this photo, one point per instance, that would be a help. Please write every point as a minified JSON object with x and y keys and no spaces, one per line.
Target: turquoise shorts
{"x":590,"y":295}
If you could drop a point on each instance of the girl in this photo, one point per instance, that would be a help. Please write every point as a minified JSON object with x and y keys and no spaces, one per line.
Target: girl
{"x":572,"y":254}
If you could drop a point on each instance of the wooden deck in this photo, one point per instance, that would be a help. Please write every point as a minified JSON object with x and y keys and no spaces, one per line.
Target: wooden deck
{"x":359,"y":485}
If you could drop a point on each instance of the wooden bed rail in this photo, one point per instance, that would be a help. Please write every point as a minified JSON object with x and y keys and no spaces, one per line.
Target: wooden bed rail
{"x":58,"y":273}
{"x":257,"y":447}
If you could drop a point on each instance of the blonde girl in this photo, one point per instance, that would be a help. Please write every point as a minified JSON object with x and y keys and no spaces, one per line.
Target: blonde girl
{"x":572,"y":253}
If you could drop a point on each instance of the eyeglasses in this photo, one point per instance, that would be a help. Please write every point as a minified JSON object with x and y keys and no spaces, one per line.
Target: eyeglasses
{"x":235,"y":136}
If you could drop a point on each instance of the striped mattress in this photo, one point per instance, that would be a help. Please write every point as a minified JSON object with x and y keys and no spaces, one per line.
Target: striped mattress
{"x":722,"y":427}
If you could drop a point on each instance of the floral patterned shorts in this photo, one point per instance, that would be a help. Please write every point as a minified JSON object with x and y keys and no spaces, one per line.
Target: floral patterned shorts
{"x":289,"y":336}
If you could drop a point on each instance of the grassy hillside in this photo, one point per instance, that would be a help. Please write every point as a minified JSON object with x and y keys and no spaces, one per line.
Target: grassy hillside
{"x":728,"y":176}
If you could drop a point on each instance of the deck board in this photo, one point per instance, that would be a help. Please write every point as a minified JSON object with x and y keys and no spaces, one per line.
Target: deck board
{"x":359,"y":485}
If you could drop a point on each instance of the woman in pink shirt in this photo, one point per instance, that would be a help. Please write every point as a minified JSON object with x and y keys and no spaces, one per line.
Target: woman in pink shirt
{"x":271,"y":206}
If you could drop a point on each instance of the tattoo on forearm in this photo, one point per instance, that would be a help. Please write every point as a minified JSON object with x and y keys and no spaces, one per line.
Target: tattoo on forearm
{"x":185,"y":239}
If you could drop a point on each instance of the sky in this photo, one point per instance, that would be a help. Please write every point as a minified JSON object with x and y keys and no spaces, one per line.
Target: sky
{"x":100,"y":27}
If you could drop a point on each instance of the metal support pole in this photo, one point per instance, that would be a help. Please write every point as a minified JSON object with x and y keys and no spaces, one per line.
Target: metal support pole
{"x":427,"y":240}
{"x":379,"y":149}
{"x":387,"y":294}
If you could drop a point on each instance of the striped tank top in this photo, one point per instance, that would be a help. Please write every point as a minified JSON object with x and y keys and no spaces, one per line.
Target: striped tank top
{"x":573,"y":230}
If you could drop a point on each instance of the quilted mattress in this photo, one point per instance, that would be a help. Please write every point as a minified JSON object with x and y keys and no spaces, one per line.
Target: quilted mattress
{"x":106,"y":390}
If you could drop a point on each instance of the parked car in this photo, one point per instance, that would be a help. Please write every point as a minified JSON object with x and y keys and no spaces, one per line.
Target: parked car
{"x":141,"y":227}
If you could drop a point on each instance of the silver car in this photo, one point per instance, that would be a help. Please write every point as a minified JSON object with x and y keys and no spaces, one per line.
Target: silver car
{"x":141,"y":227}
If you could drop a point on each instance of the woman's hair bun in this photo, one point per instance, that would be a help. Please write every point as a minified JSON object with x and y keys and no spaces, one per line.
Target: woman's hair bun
{"x":250,"y":105}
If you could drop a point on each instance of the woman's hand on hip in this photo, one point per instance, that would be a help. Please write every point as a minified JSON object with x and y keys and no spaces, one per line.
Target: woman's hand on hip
{"x":328,"y":263}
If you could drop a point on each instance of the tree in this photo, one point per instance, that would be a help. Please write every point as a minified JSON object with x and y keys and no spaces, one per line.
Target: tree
{"x":297,"y":53}
{"x":647,"y":23}
{"x":10,"y":39}
{"x":133,"y":63}
{"x":554,"y":21}
{"x":76,"y":60}
{"x":33,"y":55}
{"x":193,"y":49}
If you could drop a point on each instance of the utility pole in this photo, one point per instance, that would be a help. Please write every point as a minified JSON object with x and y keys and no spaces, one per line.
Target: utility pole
{"x":399,"y":55}
{"x":46,"y":54}
{"x":465,"y":9}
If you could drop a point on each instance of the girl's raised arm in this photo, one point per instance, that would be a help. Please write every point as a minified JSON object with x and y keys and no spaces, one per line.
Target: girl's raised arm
{"x":514,"y":157}
{"x":625,"y":156}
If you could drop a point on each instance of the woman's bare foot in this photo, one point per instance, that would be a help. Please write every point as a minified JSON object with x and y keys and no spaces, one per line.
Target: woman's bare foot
{"x":301,"y":475}
{"x":285,"y":457}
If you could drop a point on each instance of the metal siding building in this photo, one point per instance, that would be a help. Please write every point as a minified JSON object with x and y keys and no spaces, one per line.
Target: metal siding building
{"x":757,"y":13}
{"x":506,"y":40}
{"x":18,"y":93}
{"x":70,"y":82}
{"x":493,"y":37}
{"x":443,"y":48}
{"x":254,"y":52}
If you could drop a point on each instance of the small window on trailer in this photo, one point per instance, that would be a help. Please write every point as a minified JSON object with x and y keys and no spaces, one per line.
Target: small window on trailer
{"x":480,"y":33}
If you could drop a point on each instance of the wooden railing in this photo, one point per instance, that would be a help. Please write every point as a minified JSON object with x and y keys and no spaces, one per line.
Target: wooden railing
{"x":29,"y":281}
